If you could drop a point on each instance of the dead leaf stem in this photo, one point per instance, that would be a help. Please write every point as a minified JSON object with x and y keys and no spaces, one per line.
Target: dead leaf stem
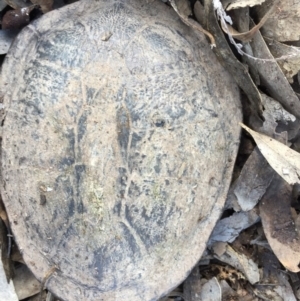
{"x":193,"y":24}
{"x":247,"y":36}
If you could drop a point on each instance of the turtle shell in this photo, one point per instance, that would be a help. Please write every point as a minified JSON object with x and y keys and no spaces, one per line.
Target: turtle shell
{"x":119,"y":139}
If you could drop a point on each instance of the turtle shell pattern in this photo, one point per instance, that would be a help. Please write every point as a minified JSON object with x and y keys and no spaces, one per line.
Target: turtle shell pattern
{"x":119,"y":139}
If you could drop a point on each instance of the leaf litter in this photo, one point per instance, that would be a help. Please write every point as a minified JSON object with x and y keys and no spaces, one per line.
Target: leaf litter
{"x":284,"y":160}
{"x":253,"y":252}
{"x":243,"y":3}
{"x":284,"y":26}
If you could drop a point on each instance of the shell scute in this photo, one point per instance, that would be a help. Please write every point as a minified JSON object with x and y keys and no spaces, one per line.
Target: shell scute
{"x":126,"y":116}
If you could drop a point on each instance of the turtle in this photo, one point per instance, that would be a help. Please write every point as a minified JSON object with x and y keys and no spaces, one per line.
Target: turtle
{"x":119,"y":136}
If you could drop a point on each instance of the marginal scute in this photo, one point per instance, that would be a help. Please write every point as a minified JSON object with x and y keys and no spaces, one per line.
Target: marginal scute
{"x":132,"y":137}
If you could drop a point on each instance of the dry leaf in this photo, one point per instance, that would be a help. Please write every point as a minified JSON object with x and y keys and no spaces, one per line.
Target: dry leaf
{"x":273,"y":285}
{"x":294,"y":281}
{"x":247,"y":36}
{"x":284,"y":160}
{"x":227,"y":292}
{"x":211,"y":290}
{"x":242,"y":263}
{"x":278,"y":123}
{"x":284,"y":25}
{"x":26,"y":285}
{"x":243,"y":3}
{"x":7,"y":290}
{"x":279,"y":291}
{"x":290,"y":66}
{"x":46,"y":5}
{"x":182,"y":8}
{"x":227,"y":229}
{"x":284,"y":289}
{"x":275,"y":109}
{"x":272,"y":77}
{"x":219,"y":248}
{"x":228,"y":59}
{"x":253,"y":181}
{"x":278,"y":224}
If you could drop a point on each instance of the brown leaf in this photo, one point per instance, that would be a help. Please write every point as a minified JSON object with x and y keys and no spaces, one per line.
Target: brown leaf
{"x":247,"y":36}
{"x":3,"y":214}
{"x":284,"y":25}
{"x":278,"y":224}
